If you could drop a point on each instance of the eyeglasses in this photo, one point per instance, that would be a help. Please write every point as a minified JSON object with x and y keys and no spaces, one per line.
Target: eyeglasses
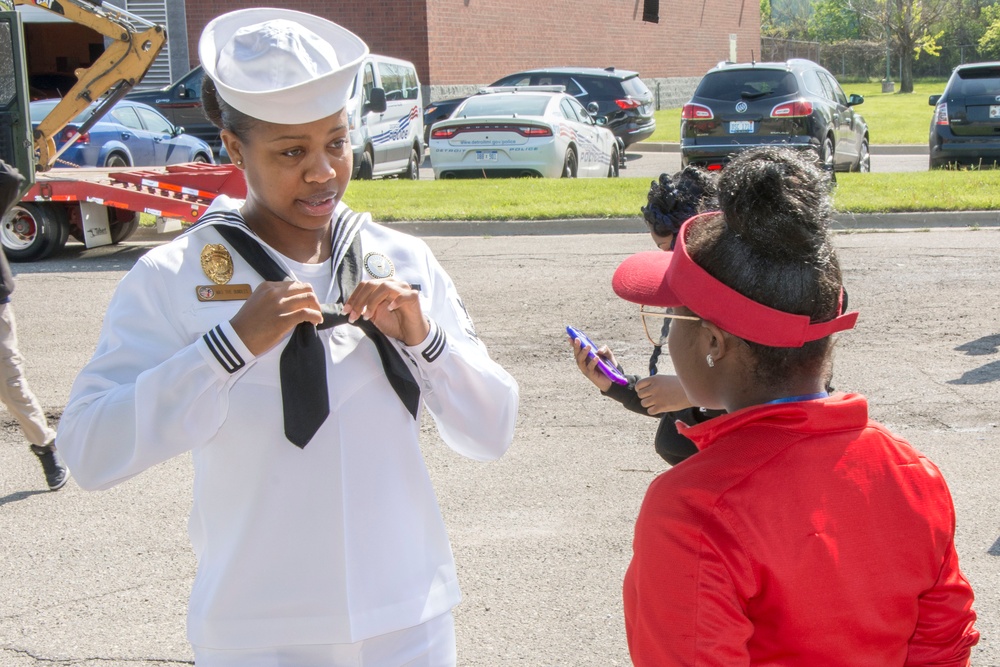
{"x":656,"y":322}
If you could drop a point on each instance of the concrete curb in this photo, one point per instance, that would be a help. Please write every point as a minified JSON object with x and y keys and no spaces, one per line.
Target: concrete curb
{"x":843,"y":222}
{"x":876,"y":149}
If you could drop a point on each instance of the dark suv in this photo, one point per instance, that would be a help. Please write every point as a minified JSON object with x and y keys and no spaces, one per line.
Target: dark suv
{"x":620,"y":95}
{"x":180,"y":102}
{"x":965,"y":128}
{"x":795,"y":103}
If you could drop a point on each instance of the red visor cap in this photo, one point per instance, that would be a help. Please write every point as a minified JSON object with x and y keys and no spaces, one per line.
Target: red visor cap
{"x":673,"y":279}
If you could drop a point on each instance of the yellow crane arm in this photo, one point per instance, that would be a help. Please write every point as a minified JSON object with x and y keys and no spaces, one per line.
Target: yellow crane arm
{"x":134,"y":46}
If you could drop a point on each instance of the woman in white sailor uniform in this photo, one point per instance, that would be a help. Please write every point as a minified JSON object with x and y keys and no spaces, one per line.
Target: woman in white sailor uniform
{"x":291,"y":344}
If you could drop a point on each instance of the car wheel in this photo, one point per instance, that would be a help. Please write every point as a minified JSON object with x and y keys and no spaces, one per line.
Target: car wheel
{"x":116,"y":160}
{"x":201,"y":157}
{"x":613,"y":168}
{"x":413,"y":166}
{"x":366,"y":168}
{"x":122,"y":229}
{"x":32,"y":232}
{"x":864,"y":158}
{"x":569,"y":164}
{"x":826,"y":155}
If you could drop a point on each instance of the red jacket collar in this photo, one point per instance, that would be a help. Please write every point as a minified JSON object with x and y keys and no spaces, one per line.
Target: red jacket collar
{"x":838,"y":412}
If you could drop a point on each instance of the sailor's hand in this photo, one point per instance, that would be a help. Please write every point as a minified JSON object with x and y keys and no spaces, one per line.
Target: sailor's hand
{"x":272,"y":311}
{"x":392,"y":306}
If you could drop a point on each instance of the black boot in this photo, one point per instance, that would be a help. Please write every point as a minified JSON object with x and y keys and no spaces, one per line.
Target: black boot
{"x":56,"y":474}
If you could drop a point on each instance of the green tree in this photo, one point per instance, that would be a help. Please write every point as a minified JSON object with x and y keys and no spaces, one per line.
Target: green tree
{"x":989,"y":42}
{"x":911,"y":25}
{"x":834,"y":21}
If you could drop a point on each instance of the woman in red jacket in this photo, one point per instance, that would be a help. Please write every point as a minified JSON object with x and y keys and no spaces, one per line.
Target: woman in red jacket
{"x":803,"y":533}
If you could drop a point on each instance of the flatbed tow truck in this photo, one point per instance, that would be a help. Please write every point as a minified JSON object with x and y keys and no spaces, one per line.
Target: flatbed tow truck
{"x":95,"y":206}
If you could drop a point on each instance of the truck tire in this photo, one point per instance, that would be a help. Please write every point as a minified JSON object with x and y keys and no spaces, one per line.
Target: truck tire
{"x":122,"y":228}
{"x":31,"y":232}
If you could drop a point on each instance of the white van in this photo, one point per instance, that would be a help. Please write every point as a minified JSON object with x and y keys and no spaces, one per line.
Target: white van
{"x":385,"y":112}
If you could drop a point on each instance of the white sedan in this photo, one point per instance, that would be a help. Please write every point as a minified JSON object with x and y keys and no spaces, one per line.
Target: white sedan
{"x":527,"y":131}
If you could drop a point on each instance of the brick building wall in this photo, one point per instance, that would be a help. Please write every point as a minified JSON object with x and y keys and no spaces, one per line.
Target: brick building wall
{"x":457,"y":45}
{"x":395,"y":28}
{"x":478,"y":41}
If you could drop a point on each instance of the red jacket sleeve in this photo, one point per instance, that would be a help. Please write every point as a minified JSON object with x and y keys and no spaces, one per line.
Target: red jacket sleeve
{"x":684,"y":593}
{"x":945,"y":635}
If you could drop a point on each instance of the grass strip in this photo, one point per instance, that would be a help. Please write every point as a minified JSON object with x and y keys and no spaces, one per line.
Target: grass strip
{"x":546,"y":199}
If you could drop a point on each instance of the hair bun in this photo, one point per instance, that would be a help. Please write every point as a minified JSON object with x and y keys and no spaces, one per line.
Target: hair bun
{"x":777,"y":200}
{"x":674,"y":199}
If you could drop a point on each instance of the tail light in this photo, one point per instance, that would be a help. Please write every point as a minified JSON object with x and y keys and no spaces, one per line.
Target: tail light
{"x":693,"y":111}
{"x":628,"y":103}
{"x":795,"y":109}
{"x":444,"y":133}
{"x":941,"y":114}
{"x":714,"y":167}
{"x":523,"y":130}
{"x":69,"y":132}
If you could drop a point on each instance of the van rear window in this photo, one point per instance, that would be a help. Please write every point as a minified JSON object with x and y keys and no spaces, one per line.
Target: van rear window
{"x":976,"y":81}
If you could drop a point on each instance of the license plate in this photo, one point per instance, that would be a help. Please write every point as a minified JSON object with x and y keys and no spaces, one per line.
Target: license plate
{"x":740,"y":126}
{"x":486,"y":156}
{"x":995,"y":111}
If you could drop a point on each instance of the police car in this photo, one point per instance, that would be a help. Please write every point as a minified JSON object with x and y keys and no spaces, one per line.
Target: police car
{"x":522,"y":131}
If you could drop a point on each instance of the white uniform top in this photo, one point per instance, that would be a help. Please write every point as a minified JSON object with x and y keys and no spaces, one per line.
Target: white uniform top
{"x":334,"y":543}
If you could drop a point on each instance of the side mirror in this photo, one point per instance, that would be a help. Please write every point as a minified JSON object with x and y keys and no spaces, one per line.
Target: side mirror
{"x":933,"y":100}
{"x":854,"y":100}
{"x":178,"y":131}
{"x":186,"y":93}
{"x":376,"y":102}
{"x":593,"y":108}
{"x":601,"y":120}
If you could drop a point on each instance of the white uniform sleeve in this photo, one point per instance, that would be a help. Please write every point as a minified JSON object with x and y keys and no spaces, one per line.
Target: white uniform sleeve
{"x":150,"y":392}
{"x":472,"y":398}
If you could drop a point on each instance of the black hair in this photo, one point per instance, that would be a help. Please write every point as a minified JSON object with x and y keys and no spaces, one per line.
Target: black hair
{"x":674,"y":199}
{"x":221,"y":113}
{"x":771,"y":244}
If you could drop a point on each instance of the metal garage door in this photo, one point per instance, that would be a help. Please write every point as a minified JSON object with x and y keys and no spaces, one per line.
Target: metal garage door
{"x":154,"y":11}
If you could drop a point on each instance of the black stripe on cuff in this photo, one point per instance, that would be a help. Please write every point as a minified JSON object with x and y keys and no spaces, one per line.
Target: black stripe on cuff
{"x":223,"y":350}
{"x":436,"y":347}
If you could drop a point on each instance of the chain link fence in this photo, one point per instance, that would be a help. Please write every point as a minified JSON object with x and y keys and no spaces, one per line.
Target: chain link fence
{"x":863,"y":60}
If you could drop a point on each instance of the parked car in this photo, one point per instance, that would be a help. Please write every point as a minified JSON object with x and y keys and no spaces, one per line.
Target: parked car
{"x":522,"y":132}
{"x":180,"y":102}
{"x":795,"y":103}
{"x":621,"y":97}
{"x":383,"y":112}
{"x":965,"y":128}
{"x":129,"y":135}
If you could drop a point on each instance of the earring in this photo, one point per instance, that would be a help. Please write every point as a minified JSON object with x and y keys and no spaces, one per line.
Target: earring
{"x":239,"y":163}
{"x":710,"y":360}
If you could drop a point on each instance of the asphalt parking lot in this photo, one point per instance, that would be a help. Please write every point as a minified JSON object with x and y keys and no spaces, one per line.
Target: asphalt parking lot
{"x":651,"y":160}
{"x":542,"y":537}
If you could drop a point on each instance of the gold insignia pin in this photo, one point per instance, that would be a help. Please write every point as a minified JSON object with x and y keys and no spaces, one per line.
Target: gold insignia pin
{"x":217,"y":263}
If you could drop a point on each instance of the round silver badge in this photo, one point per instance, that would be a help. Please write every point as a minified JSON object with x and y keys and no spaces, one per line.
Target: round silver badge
{"x":741,"y":106}
{"x":378,"y":265}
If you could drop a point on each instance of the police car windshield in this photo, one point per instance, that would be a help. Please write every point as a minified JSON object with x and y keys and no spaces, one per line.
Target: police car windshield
{"x":494,"y":104}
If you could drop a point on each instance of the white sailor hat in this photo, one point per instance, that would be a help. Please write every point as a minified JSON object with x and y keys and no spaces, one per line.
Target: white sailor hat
{"x":280,"y":65}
